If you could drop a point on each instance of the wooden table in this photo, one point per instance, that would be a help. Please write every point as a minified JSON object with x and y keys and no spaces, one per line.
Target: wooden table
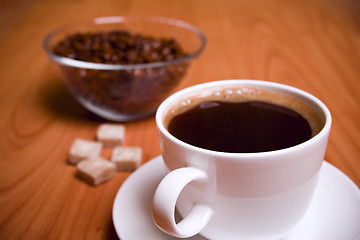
{"x":312,"y":45}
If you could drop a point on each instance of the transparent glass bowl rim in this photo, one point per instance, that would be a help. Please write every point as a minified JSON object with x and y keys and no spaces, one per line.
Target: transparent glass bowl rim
{"x":120,"y":19}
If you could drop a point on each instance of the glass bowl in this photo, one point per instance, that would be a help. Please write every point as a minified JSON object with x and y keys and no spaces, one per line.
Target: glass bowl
{"x":126,"y":90}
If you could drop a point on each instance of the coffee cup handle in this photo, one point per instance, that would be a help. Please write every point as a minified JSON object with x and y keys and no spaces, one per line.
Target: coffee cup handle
{"x":164,"y":202}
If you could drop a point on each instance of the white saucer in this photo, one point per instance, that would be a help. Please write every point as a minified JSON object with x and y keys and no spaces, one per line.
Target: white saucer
{"x":333,"y":215}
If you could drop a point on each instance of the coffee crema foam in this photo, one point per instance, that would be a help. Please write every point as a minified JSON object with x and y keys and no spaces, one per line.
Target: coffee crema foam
{"x":246,"y":94}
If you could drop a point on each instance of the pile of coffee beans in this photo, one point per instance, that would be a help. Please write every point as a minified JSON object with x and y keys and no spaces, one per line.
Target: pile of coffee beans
{"x":134,"y":90}
{"x":118,"y":47}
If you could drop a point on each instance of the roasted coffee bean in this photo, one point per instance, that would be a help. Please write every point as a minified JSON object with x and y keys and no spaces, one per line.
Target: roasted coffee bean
{"x":136,"y":90}
{"x":128,"y":48}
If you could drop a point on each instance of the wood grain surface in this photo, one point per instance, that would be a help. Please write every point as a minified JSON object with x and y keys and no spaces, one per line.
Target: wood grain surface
{"x":312,"y":45}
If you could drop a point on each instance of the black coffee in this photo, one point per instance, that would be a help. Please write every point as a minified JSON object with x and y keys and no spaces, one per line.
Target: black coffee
{"x":242,"y":119}
{"x":240,"y":127}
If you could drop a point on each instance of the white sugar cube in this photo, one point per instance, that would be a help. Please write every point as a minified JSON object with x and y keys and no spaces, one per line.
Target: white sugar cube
{"x":126,"y":158}
{"x":111,"y":135}
{"x":83,"y":149}
{"x":96,"y":170}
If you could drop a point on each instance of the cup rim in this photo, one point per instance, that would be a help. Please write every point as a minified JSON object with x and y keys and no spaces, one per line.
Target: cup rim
{"x":164,"y":106}
{"x":121,"y":19}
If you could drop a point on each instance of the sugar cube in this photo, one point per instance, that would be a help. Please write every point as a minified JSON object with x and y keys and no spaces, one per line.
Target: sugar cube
{"x":83,"y":149}
{"x":96,"y":170}
{"x":111,"y":135}
{"x":126,"y":158}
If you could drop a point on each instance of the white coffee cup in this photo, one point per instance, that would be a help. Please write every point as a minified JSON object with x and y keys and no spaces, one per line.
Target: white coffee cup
{"x":238,"y":196}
